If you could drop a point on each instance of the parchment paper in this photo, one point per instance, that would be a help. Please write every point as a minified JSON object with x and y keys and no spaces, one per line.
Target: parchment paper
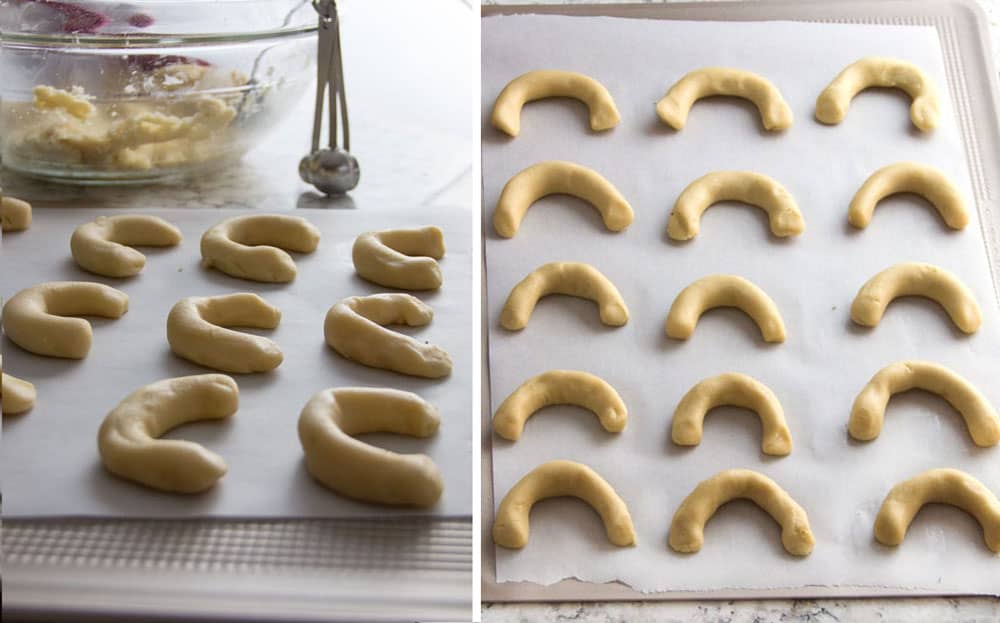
{"x":825,"y":361}
{"x":50,"y":464}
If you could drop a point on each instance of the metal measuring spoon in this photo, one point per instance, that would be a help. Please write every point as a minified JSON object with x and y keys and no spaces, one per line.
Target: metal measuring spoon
{"x":332,"y":170}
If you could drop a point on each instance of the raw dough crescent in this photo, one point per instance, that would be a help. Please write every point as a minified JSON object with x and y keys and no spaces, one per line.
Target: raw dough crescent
{"x":511,"y":527}
{"x":15,"y":215}
{"x":571,"y":279}
{"x":353,"y":328}
{"x":560,"y":387}
{"x":543,"y":83}
{"x":387,"y":258}
{"x":248,"y":246}
{"x":674,"y":107}
{"x":916,"y":279}
{"x":128,"y":440}
{"x":909,"y":177}
{"x":869,"y":407}
{"x":938,"y":486}
{"x":687,"y":530}
{"x":724,"y":291}
{"x":196,"y":331}
{"x":559,"y":177}
{"x":833,"y":103}
{"x":358,"y":470}
{"x":34,"y":317}
{"x":100,"y":245}
{"x":738,"y":390}
{"x":16,"y":395}
{"x":745,"y":186}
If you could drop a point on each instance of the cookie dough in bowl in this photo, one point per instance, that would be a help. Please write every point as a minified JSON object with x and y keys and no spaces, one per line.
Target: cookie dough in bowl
{"x":190,"y":88}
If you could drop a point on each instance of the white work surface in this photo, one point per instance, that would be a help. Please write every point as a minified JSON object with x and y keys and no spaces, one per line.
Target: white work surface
{"x":50,"y":463}
{"x":816,"y":374}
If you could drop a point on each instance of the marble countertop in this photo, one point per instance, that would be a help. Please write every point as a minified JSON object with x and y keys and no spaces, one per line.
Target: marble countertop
{"x":964,"y":610}
{"x":938,"y":610}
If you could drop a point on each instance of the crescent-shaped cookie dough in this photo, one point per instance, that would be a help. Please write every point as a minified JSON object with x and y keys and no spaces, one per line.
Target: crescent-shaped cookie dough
{"x":34,"y":317}
{"x":15,"y":215}
{"x":571,"y":279}
{"x":560,"y":387}
{"x":564,"y":178}
{"x":400,"y":258}
{"x":833,"y":103}
{"x":745,"y":186}
{"x":916,"y":279}
{"x":909,"y":177}
{"x":869,"y":407}
{"x":543,"y":83}
{"x":196,"y":331}
{"x":248,"y":246}
{"x":16,"y":395}
{"x":687,"y":530}
{"x":354,"y":328}
{"x":724,"y":291}
{"x":511,"y":527}
{"x":737,"y":390}
{"x":128,"y":440}
{"x":938,"y":486}
{"x":674,"y":107}
{"x":103,"y":246}
{"x":353,"y":468}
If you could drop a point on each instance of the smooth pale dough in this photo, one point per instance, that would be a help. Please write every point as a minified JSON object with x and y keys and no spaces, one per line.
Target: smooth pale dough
{"x":737,"y":390}
{"x":571,"y":279}
{"x":128,"y":440}
{"x":15,"y":215}
{"x":543,"y":83}
{"x":248,"y":246}
{"x":674,"y":107}
{"x":909,"y":177}
{"x":400,"y":258}
{"x":873,"y":71}
{"x":354,"y":328}
{"x":868,"y":411}
{"x":687,"y":530}
{"x":724,"y":291}
{"x":564,"y":178}
{"x":196,"y":331}
{"x":560,"y":387}
{"x":103,"y":246}
{"x":511,"y":527}
{"x":34,"y":317}
{"x":938,"y":486}
{"x":358,"y":470}
{"x":16,"y":395}
{"x":916,"y":279}
{"x":745,"y":186}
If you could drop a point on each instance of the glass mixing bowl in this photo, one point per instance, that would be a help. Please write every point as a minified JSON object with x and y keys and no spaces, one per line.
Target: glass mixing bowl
{"x":113,"y":92}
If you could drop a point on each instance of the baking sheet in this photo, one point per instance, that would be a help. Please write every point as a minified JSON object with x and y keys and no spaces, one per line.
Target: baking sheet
{"x":50,"y":464}
{"x":816,"y":373}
